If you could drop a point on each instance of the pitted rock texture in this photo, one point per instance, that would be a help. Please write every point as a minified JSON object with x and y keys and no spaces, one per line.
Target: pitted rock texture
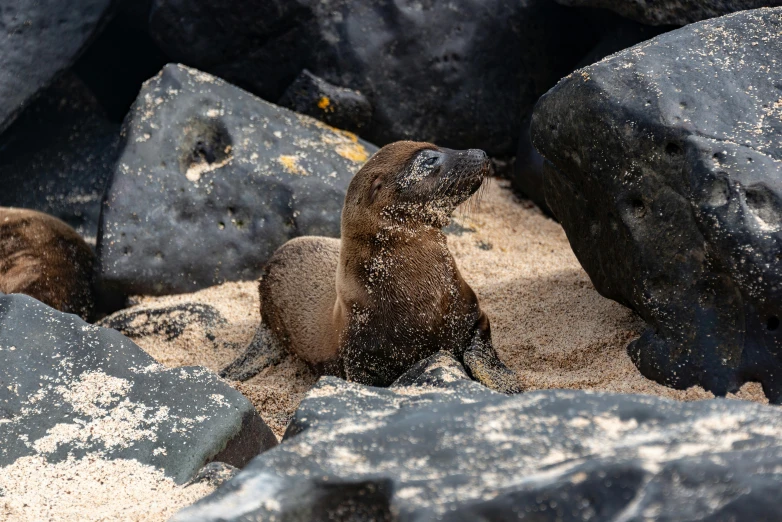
{"x":673,"y":12}
{"x":69,"y":389}
{"x":211,"y":180}
{"x":339,"y":107}
{"x":459,"y":74}
{"x":58,"y":155}
{"x":41,"y":39}
{"x":665,"y":169}
{"x":449,"y":449}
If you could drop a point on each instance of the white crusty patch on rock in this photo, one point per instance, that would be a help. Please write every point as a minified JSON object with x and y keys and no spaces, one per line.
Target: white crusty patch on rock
{"x":94,"y":391}
{"x":103,"y":415}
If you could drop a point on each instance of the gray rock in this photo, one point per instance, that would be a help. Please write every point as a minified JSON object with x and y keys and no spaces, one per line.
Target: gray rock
{"x":58,"y":155}
{"x":170,"y":322}
{"x":339,"y":107}
{"x":68,"y":389}
{"x":664,"y":168}
{"x":453,"y":450}
{"x":674,"y":12}
{"x":459,"y":74}
{"x":211,"y":180}
{"x":41,"y":39}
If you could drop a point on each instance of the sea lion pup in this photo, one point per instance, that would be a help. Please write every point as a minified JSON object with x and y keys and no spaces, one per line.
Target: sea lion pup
{"x":388,"y":294}
{"x":44,"y":258}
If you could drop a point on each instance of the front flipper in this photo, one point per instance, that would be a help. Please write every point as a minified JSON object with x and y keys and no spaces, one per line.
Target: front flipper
{"x":264,"y":351}
{"x":485,"y":366}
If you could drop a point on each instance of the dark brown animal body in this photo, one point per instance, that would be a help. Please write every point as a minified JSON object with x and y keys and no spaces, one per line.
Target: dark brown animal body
{"x":44,"y":258}
{"x":389,"y":293}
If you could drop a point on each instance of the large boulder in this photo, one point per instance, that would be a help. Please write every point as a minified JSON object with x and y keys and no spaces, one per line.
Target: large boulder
{"x":665,"y":169}
{"x":211,"y":180}
{"x":460,"y":74}
{"x":339,"y":107}
{"x":41,"y":39}
{"x":69,"y":389}
{"x":673,"y":12}
{"x":444,"y":448}
{"x":57,"y":156}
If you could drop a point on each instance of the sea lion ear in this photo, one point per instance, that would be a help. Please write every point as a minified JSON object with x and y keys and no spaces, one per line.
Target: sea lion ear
{"x":376,"y":186}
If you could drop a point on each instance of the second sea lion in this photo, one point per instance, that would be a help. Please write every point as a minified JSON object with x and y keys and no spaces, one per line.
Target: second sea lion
{"x":387,"y":294}
{"x":44,"y":258}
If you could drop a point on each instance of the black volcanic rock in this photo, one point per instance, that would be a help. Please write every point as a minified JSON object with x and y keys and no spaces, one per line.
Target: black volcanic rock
{"x":211,"y":180}
{"x":41,"y":39}
{"x":57,"y":156}
{"x":446,"y":448}
{"x":339,"y":107}
{"x":460,"y":74}
{"x":68,"y":389}
{"x":673,"y":12}
{"x":665,"y":169}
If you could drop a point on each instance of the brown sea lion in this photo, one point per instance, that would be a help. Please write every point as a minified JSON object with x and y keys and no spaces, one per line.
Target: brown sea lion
{"x":44,"y":258}
{"x":388,"y":294}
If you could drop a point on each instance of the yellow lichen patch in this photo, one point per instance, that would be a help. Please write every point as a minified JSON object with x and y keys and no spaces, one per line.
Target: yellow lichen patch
{"x":353,"y":151}
{"x":346,"y":144}
{"x":339,"y":132}
{"x":324,"y":103}
{"x":291,"y":165}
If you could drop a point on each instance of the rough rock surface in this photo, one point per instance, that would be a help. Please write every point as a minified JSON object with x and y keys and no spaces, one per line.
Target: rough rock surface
{"x":42,"y":38}
{"x":445,"y":448}
{"x":339,"y":107}
{"x":460,"y":74}
{"x":58,"y":155}
{"x":666,"y":173}
{"x":211,"y":180}
{"x":69,"y":389}
{"x":674,"y":12}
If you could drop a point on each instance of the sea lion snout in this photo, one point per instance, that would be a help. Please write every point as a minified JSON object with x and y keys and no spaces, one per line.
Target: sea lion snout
{"x":415,"y":183}
{"x":467,"y":171}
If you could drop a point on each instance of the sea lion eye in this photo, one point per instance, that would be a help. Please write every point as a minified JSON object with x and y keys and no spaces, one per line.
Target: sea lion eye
{"x":431,"y":159}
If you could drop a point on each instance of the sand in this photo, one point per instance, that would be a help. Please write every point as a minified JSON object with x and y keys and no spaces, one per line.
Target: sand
{"x":548,"y":322}
{"x":91,"y":489}
{"x":276,"y":392}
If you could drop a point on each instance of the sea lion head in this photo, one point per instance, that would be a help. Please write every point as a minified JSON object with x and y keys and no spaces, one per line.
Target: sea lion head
{"x":414,"y":183}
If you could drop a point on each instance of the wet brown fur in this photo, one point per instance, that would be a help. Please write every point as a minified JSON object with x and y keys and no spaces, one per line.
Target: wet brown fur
{"x":44,"y":258}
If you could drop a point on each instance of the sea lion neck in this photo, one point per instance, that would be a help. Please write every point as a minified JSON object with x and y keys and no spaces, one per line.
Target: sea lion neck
{"x":419,"y":247}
